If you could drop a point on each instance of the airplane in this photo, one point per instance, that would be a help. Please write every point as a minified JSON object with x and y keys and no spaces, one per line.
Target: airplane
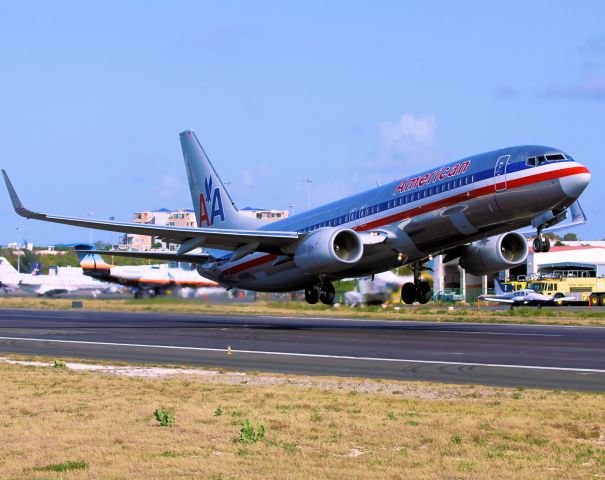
{"x":10,"y":277}
{"x":144,"y":279}
{"x":467,"y":209}
{"x":47,"y":284}
{"x":374,"y":290}
{"x":526,"y":296}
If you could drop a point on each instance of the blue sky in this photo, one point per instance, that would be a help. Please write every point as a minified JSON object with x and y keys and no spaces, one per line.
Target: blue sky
{"x":94,"y":95}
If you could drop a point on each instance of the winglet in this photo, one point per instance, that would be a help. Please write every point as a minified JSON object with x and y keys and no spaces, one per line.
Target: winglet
{"x":17,"y":205}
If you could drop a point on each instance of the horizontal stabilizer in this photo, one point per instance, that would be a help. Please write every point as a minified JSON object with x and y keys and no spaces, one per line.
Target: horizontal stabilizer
{"x":163,"y":256}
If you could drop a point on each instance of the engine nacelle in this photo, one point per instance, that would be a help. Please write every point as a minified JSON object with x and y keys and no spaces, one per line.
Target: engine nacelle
{"x":328,"y":250}
{"x":494,"y":254}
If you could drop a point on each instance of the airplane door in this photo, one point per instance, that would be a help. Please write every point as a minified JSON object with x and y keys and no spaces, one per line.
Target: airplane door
{"x":500,"y":173}
{"x":363,"y":213}
{"x":353,"y":217}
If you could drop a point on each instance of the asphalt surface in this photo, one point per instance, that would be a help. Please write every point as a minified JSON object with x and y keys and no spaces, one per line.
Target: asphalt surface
{"x":556,"y":357}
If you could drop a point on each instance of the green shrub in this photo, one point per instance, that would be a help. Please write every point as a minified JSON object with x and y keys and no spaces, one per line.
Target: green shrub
{"x":250,"y":434}
{"x":218,"y":412}
{"x":165,"y":417}
{"x":457,"y":439}
{"x":63,"y":467}
{"x":59,"y":363}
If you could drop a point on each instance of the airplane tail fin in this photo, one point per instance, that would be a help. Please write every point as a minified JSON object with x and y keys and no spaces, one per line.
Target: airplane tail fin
{"x":6,"y":267}
{"x":212,"y":203}
{"x":36,"y":269}
{"x":90,"y":262}
{"x":498,"y":287}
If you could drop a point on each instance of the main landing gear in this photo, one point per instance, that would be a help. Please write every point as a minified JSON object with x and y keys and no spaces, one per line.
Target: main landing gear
{"x":323,"y":292}
{"x":419,"y":291}
{"x":541,"y":244}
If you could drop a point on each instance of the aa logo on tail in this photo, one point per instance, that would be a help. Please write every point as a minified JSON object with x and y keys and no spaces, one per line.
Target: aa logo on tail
{"x":210,"y":201}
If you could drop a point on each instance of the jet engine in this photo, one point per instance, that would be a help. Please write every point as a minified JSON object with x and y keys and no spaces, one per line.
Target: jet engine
{"x":494,"y":254}
{"x":328,"y":250}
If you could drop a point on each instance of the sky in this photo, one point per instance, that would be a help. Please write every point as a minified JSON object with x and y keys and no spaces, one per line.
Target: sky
{"x":94,"y":94}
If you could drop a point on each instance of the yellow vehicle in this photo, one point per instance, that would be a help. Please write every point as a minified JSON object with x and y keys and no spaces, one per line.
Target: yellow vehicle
{"x":571,"y":283}
{"x":514,"y":285}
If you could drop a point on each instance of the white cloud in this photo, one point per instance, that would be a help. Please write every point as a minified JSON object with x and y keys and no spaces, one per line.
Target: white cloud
{"x":407,"y":144}
{"x":408,"y":132}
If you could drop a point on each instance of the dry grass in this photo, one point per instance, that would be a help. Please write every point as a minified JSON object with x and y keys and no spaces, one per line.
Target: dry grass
{"x":531,"y":315}
{"x":104,"y":426}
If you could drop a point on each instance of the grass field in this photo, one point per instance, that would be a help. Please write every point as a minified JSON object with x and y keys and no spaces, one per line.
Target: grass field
{"x":532,"y":315}
{"x":59,"y":423}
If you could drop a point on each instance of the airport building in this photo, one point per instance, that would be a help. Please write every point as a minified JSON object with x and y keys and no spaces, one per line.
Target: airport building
{"x":577,"y":258}
{"x":180,"y":218}
{"x":264,"y":214}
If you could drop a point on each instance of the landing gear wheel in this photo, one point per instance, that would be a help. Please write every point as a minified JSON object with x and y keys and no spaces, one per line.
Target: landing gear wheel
{"x":327,"y":294}
{"x":312,"y":294}
{"x":538,"y":244}
{"x":424,"y":293}
{"x":545,"y":245}
{"x":408,"y":293}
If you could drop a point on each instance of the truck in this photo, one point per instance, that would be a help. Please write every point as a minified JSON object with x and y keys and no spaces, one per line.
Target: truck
{"x":565,"y":283}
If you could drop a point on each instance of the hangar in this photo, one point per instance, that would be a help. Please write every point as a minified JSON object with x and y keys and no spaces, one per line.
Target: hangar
{"x":581,"y":259}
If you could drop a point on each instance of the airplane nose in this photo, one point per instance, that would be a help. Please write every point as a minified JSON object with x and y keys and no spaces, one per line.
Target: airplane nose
{"x":573,"y":185}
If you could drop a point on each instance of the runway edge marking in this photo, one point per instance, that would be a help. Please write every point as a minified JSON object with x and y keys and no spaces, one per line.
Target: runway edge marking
{"x":311,"y":355}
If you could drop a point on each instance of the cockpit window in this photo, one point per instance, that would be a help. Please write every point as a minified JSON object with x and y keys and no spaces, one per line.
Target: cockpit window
{"x":555,"y":157}
{"x":542,"y":159}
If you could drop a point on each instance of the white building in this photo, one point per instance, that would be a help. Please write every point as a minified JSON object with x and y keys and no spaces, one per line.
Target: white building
{"x":145,"y":242}
{"x":264,"y":214}
{"x":181,"y":218}
{"x":588,"y":258}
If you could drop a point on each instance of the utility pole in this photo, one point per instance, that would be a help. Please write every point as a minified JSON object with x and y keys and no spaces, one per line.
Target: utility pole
{"x":308,"y":182}
{"x":18,"y":249}
{"x":112,"y":218}
{"x":90,"y":214}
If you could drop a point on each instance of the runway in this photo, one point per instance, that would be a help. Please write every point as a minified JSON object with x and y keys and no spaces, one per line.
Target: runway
{"x":556,"y":357}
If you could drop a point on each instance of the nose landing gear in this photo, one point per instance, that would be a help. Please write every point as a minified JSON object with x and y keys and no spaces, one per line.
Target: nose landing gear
{"x":418,"y":291}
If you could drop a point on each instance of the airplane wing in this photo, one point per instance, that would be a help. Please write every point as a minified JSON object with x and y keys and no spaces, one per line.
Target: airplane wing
{"x":164,"y":256}
{"x":498,"y":300}
{"x":190,"y":238}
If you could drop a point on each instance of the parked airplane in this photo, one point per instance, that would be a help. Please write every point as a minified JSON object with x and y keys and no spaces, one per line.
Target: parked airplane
{"x":47,"y":284}
{"x":466,"y":209}
{"x":144,"y":279}
{"x":375,"y":290}
{"x":10,"y":277}
{"x":524,"y":297}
